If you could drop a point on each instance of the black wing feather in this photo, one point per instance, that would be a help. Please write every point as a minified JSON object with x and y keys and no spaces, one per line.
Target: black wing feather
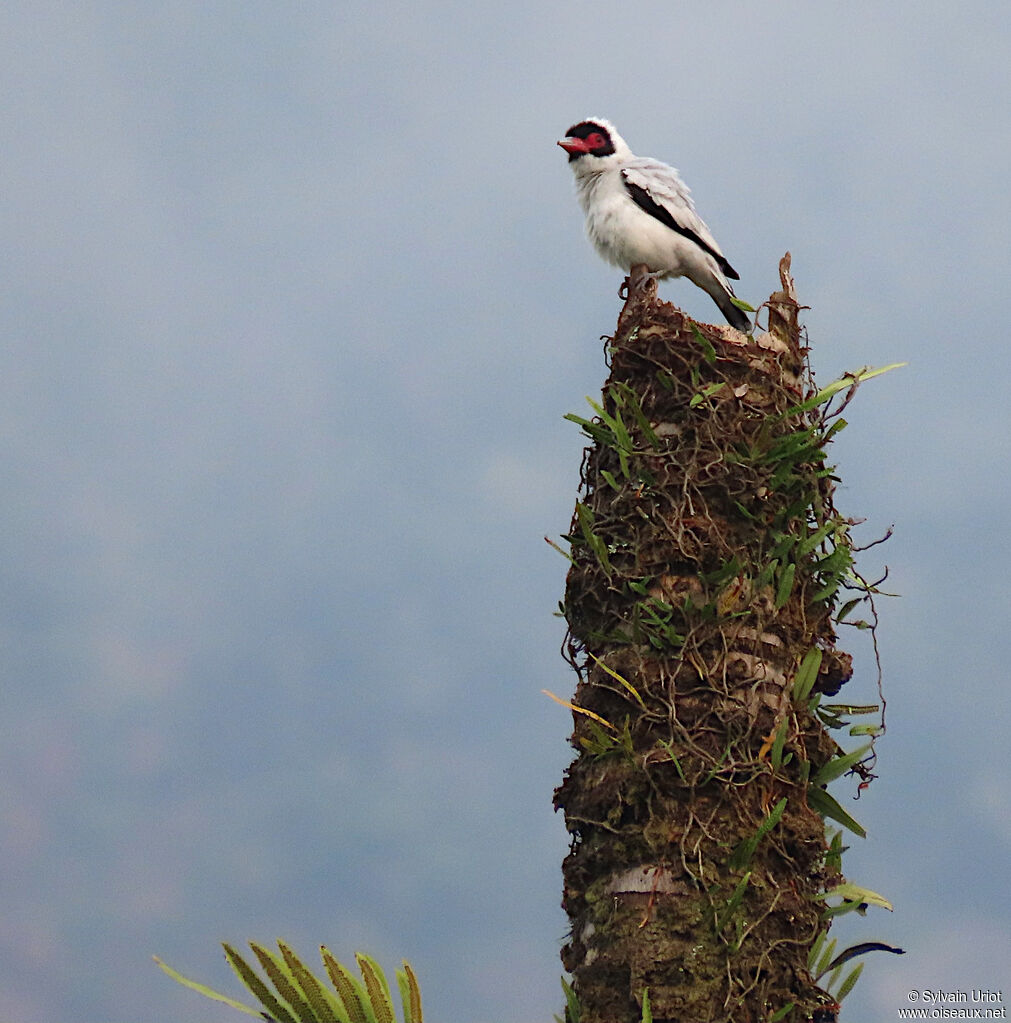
{"x":649,"y":205}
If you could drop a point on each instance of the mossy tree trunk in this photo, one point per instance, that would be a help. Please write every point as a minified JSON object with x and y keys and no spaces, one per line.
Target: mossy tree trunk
{"x":707,"y":559}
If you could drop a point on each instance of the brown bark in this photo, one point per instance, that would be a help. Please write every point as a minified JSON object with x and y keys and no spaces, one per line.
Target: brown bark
{"x":706,"y":559}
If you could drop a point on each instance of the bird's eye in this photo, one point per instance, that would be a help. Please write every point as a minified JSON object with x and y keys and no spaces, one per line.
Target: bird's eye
{"x":595,"y":140}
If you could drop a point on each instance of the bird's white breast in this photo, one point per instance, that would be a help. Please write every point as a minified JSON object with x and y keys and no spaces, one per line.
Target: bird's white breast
{"x":625,"y":235}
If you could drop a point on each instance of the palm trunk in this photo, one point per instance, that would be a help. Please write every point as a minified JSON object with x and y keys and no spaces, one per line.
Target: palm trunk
{"x":707,"y":555}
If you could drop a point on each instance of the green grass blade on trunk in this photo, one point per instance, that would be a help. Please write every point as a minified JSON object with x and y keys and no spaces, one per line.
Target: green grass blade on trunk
{"x":806,"y":675}
{"x":571,"y":1003}
{"x":846,"y":382}
{"x":857,"y":893}
{"x":826,"y":958}
{"x":594,"y":542}
{"x":618,"y":678}
{"x":785,"y":585}
{"x":776,"y":750}
{"x":815,"y":950}
{"x":847,"y":985}
{"x":647,"y":1011}
{"x":821,"y":802}
{"x":708,"y":351}
{"x":840,"y":765}
{"x":741,"y":856}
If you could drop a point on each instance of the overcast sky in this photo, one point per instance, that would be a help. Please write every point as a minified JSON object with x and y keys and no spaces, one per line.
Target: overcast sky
{"x":294,"y":299}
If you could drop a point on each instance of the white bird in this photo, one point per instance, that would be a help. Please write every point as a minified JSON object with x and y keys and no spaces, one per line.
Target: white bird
{"x":639,"y":211}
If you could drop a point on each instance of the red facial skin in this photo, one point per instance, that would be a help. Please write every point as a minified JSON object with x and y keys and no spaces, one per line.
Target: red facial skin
{"x":586,"y":145}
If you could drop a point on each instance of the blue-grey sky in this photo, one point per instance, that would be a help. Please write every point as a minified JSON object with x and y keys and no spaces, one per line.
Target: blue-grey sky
{"x":294,"y":298}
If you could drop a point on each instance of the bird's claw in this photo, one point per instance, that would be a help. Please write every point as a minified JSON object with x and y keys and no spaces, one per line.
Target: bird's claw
{"x":639,"y":276}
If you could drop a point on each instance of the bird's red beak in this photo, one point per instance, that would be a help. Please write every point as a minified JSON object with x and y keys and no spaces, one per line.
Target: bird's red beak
{"x":574,"y":145}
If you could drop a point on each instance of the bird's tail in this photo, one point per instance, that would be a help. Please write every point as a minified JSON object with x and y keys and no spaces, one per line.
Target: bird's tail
{"x":718,"y":288}
{"x":736,"y":317}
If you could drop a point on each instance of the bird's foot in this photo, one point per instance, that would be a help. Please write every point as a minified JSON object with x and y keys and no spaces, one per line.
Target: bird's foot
{"x":639,"y":276}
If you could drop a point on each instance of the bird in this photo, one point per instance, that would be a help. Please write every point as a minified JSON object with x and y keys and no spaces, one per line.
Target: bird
{"x":639,"y":212}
